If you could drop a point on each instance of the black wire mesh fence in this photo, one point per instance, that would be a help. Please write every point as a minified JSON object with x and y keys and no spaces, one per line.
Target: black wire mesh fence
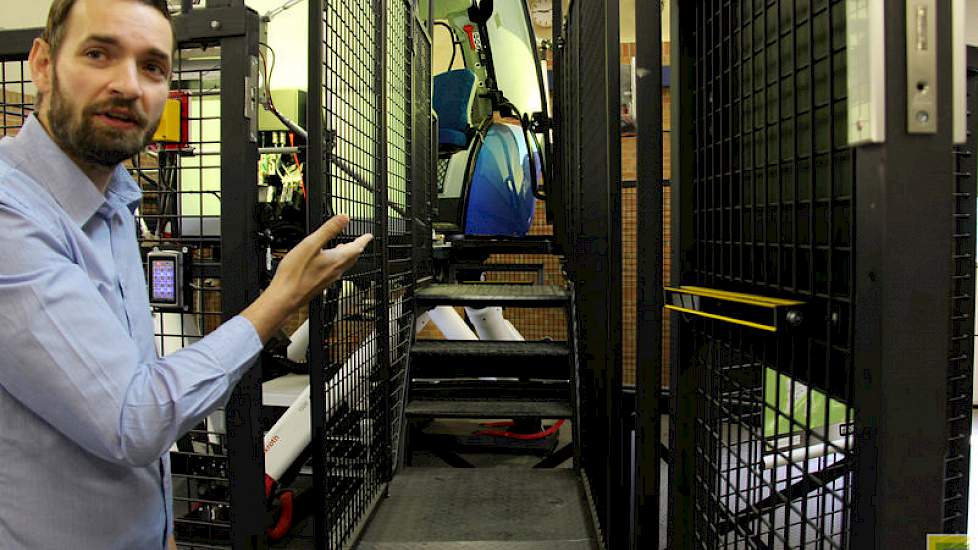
{"x":771,"y":215}
{"x":354,"y":319}
{"x":18,"y":94}
{"x":375,"y":113}
{"x":421,"y":138}
{"x":181,"y":209}
{"x":585,"y":201}
{"x":402,"y":207}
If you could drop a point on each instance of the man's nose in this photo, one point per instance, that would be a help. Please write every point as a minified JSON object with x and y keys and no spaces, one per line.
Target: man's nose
{"x":125,"y":80}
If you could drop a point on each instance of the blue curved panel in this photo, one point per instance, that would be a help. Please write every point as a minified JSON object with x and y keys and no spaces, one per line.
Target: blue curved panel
{"x":501,"y":200}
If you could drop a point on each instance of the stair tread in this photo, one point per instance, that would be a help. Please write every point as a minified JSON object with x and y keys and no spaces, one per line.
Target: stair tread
{"x":480,"y":408}
{"x":442,"y":359}
{"x":488,"y":347}
{"x":492,"y":295}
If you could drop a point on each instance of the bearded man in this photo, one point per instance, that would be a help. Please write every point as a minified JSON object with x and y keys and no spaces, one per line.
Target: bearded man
{"x":88,"y":411}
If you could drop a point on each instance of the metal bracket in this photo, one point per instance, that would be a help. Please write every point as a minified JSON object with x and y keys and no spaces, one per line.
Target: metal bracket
{"x":251,"y":99}
{"x":921,"y":66}
{"x":959,"y":63}
{"x":539,"y":122}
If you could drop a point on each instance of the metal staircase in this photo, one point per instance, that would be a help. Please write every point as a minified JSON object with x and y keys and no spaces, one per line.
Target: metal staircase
{"x":491,"y":379}
{"x":537,"y":508}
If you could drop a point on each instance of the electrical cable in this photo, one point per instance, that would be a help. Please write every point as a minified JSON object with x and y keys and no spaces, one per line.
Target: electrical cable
{"x":522,"y":437}
{"x":298,"y":165}
{"x":268,"y":71}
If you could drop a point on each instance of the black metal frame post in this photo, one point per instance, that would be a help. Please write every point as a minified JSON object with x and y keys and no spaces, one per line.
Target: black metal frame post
{"x":587,"y":188}
{"x":16,"y":44}
{"x":597,"y":259}
{"x":241,"y":280}
{"x":316,"y":187}
{"x":382,"y":241}
{"x":902,"y":269}
{"x":648,"y":332}
{"x":682,"y":475}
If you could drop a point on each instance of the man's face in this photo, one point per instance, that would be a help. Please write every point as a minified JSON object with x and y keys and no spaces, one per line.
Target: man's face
{"x":106,"y":88}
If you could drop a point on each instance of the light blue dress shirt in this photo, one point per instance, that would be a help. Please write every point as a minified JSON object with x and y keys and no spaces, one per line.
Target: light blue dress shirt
{"x":88,"y":411}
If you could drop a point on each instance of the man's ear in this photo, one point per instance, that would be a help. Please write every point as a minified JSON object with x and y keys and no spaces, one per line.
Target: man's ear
{"x":42,"y":66}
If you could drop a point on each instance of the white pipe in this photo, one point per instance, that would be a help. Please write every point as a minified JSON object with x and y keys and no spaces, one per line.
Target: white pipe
{"x":288,"y":437}
{"x":806,"y":453}
{"x":450,"y":323}
{"x":292,"y":433}
{"x":299,"y":340}
{"x":299,"y":343}
{"x":490,"y":324}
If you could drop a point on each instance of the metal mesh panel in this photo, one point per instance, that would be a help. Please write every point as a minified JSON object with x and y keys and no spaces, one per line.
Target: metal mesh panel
{"x":181,"y":209}
{"x":400,"y":248}
{"x":772,"y":215}
{"x":959,"y":383}
{"x":422,"y":166}
{"x":587,"y":220}
{"x":354,"y":441}
{"x":18,"y":95}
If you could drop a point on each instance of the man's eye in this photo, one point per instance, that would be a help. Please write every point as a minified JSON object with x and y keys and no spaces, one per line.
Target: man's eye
{"x":155,"y":69}
{"x":95,"y":54}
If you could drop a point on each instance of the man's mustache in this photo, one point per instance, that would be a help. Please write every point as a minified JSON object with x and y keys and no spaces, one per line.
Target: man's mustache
{"x":127,"y":108}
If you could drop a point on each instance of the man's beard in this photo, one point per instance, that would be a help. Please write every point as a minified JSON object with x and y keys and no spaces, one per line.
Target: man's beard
{"x":88,"y":142}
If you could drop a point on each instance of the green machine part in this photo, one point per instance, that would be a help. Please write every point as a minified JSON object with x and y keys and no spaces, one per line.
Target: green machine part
{"x":790,"y":404}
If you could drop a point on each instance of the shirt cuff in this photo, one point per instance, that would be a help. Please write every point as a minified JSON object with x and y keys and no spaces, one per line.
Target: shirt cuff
{"x":235,"y":345}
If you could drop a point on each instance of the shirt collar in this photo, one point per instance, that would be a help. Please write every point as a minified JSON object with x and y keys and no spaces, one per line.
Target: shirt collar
{"x":44,"y":161}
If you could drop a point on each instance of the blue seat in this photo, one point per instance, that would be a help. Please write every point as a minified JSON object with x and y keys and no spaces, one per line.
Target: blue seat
{"x":452,"y":96}
{"x":454,"y":138}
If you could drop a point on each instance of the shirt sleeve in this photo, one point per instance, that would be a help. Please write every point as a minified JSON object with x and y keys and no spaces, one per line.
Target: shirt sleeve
{"x":67,"y":357}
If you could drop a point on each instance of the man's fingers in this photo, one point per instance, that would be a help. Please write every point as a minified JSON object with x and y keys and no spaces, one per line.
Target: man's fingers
{"x":347,"y":252}
{"x":362,"y":241}
{"x":325,"y":233}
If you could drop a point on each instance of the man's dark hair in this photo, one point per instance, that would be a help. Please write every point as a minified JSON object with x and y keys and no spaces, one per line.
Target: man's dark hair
{"x":54,"y":31}
{"x":57,"y":25}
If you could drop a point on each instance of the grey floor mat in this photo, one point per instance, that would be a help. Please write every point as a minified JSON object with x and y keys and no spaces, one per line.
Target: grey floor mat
{"x":484,"y":508}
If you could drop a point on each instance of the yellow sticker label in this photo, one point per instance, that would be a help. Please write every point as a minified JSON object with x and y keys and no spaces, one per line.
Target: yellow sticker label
{"x":947,"y":542}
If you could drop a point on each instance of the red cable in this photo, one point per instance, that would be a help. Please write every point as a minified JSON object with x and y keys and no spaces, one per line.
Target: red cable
{"x":302,"y":179}
{"x":284,"y":519}
{"x":284,"y":522}
{"x":524,"y":437}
